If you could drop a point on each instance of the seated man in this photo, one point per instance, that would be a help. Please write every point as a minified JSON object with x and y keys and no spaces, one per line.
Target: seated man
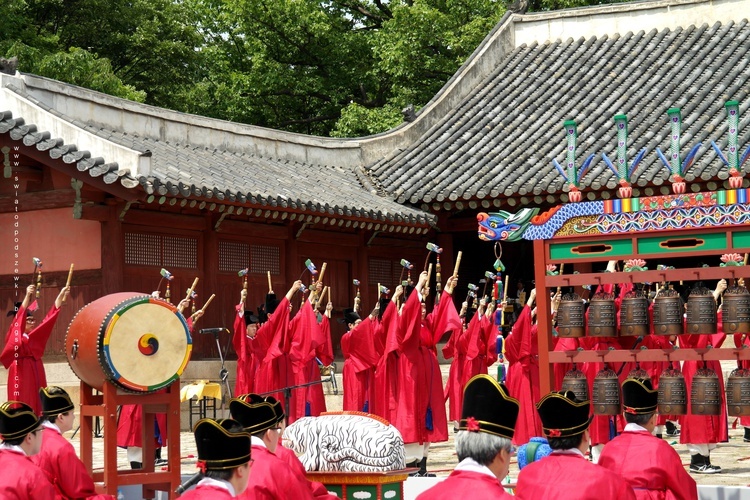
{"x":58,"y":457}
{"x":483,"y":445}
{"x":650,"y":465}
{"x":223,"y":458}
{"x":566,"y":474}
{"x":272,"y":477}
{"x":22,"y":438}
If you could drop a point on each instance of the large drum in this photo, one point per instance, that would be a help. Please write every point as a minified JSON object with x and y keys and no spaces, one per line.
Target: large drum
{"x":137,"y":342}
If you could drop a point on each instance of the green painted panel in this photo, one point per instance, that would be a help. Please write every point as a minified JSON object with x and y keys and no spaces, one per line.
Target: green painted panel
{"x":361,"y":492}
{"x":392,"y":491}
{"x":741,"y":240}
{"x":682,"y":244}
{"x":582,"y":250}
{"x":336,"y":488}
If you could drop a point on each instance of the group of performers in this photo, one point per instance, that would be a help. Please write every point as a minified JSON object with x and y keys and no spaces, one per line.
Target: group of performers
{"x":391,"y":370}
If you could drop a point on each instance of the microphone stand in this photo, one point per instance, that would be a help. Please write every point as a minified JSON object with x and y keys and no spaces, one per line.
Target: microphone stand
{"x":223,"y":373}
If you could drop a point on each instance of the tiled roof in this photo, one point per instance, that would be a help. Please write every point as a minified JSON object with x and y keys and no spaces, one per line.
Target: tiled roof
{"x":501,"y":139}
{"x":223,"y":176}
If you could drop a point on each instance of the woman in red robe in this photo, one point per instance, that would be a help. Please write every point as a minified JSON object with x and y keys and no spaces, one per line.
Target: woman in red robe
{"x":360,"y":359}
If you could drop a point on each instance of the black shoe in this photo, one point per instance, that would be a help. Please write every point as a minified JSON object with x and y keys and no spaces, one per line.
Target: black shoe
{"x":747,"y":435}
{"x":659,"y":436}
{"x":702,"y":465}
{"x":672,"y":430}
{"x":159,"y":462}
{"x":136,"y":465}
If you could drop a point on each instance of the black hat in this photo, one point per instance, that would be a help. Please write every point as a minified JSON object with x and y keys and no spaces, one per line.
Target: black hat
{"x":563,"y":415}
{"x":407,"y":291}
{"x":219,"y":447}
{"x":255,"y":417}
{"x":55,"y":403}
{"x":16,"y":307}
{"x":488,"y":408}
{"x":262,"y":316}
{"x":350,"y":317}
{"x":384,"y":301}
{"x":639,"y":397}
{"x":271,"y":303}
{"x":255,"y":399}
{"x":250,"y":318}
{"x":16,"y":420}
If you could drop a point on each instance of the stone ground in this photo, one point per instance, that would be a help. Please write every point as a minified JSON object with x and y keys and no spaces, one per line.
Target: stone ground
{"x":733,"y":457}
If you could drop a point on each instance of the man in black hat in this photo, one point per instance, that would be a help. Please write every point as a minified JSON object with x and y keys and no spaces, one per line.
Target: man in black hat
{"x":272,"y":477}
{"x":223,"y":458}
{"x":483,"y":444}
{"x":58,"y":457}
{"x":566,"y":474}
{"x":360,"y":359}
{"x":22,"y":438}
{"x":249,"y":351}
{"x":24,"y":345}
{"x":645,"y":461}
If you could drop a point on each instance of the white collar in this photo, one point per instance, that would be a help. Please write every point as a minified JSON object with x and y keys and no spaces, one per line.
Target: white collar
{"x":256,"y":441}
{"x":470,"y":465}
{"x":208,"y":481}
{"x":49,"y":425}
{"x":634,"y":428}
{"x":12,"y":447}
{"x":569,"y":451}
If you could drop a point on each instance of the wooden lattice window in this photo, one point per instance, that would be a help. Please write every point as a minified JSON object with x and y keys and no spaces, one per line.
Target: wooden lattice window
{"x":233,"y":256}
{"x":264,"y":258}
{"x":148,"y":249}
{"x":142,"y":249}
{"x":385,"y":271}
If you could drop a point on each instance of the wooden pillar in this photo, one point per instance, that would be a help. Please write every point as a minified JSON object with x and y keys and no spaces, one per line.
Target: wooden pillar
{"x":544,"y":318}
{"x":113,"y":251}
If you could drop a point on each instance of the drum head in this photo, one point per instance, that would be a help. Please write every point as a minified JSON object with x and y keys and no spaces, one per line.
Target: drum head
{"x":145,"y":344}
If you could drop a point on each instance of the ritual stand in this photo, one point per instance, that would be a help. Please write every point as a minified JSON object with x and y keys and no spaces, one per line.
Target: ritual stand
{"x":352,"y":485}
{"x":105,"y":406}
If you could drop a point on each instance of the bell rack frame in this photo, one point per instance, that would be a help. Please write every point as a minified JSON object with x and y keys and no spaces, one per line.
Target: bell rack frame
{"x":701,"y":224}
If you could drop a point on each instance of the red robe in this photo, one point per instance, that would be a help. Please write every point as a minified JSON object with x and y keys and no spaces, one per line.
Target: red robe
{"x":274,"y":371}
{"x":271,"y":478}
{"x":570,"y":477}
{"x":22,"y":479}
{"x":302,"y":329}
{"x":650,"y":465}
{"x":322,"y":354}
{"x":522,"y":353}
{"x":247,"y":357}
{"x":22,"y":356}
{"x":702,"y":429}
{"x":464,"y":484}
{"x":420,"y":413}
{"x":360,"y":359}
{"x":386,"y":371}
{"x":454,"y":389}
{"x":207,"y":492}
{"x":63,"y":467}
{"x":745,"y":363}
{"x":129,"y":427}
{"x":318,"y":490}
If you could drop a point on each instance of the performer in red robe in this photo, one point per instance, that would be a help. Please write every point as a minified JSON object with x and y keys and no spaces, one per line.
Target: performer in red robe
{"x":522,"y":353}
{"x":321,"y":354}
{"x":456,"y":348}
{"x":249,"y":350}
{"x":483,"y":444}
{"x":22,"y":438}
{"x":58,"y":457}
{"x":24,"y":348}
{"x":701,"y":432}
{"x":360,"y":359}
{"x":420,"y":413}
{"x":650,"y":465}
{"x":275,"y":371}
{"x":386,"y":371}
{"x":272,"y":478}
{"x":223,"y":458}
{"x":302,"y":328}
{"x":566,"y":474}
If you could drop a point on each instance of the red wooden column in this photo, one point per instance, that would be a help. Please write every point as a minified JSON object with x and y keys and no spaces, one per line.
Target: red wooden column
{"x":544,"y":318}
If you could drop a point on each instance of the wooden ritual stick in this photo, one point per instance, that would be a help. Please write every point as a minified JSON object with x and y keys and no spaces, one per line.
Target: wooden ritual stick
{"x":190,"y":291}
{"x":458,"y":263}
{"x":270,"y":287}
{"x":70,"y":277}
{"x":205,"y":306}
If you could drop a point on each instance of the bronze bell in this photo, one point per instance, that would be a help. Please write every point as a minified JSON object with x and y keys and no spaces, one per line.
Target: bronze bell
{"x":575,"y":380}
{"x":606,"y":397}
{"x":668,"y":313}
{"x":701,"y":311}
{"x":672,"y":397}
{"x":738,"y":393}
{"x":705,"y":393}
{"x":639,"y":373}
{"x":736,"y":310}
{"x":602,"y":320}
{"x":634,"y":314}
{"x":570,"y":316}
